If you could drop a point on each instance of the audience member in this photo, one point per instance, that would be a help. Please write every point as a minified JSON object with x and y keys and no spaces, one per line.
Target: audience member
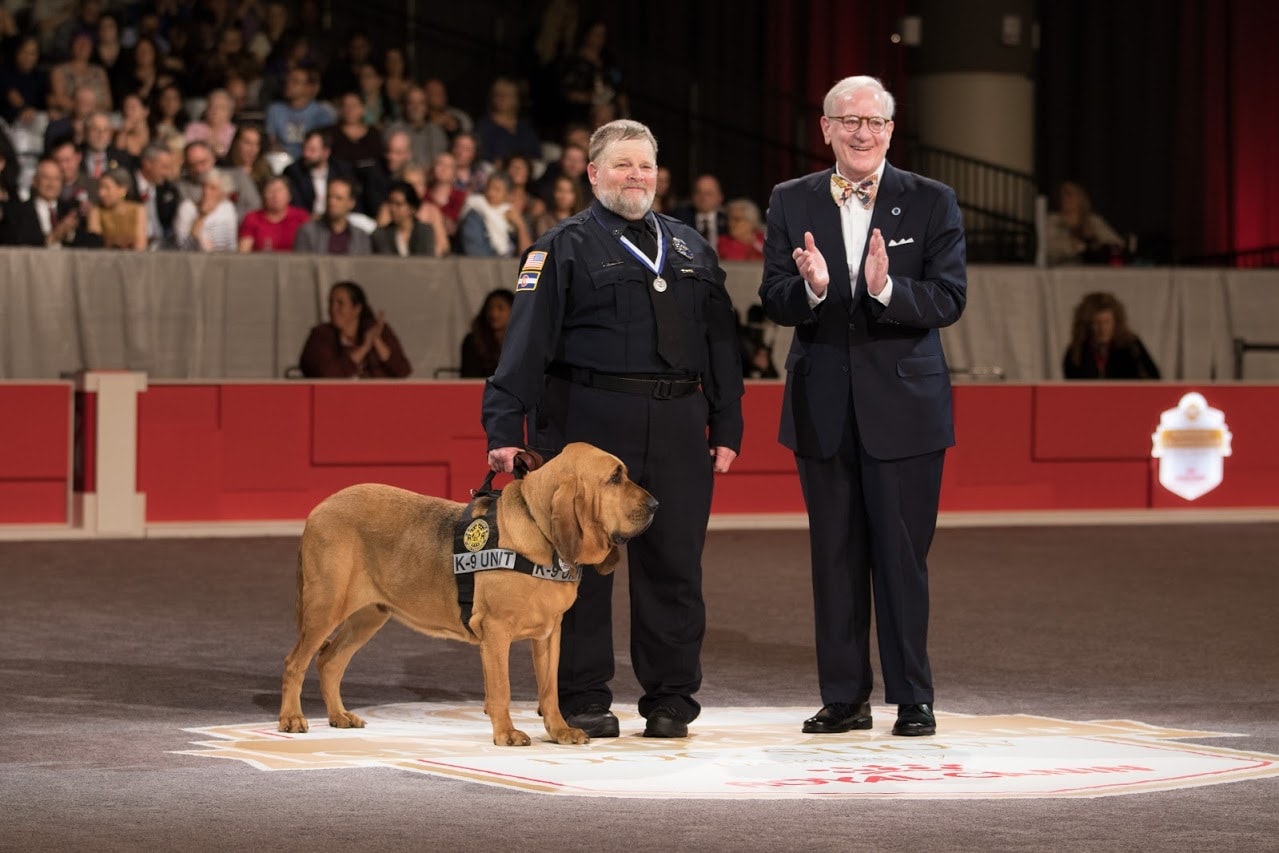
{"x":425,"y":137}
{"x":26,"y":85}
{"x":76,"y":186}
{"x":426,"y":213}
{"x":98,"y":154}
{"x":469,"y":175}
{"x":589,"y":80}
{"x":208,"y":223}
{"x":503,"y":131}
{"x":518,"y":168}
{"x":404,"y":235}
{"x":354,"y":342}
{"x":756,"y":339}
{"x":145,"y":71}
{"x":397,"y":155}
{"x":82,"y":19}
{"x":489,"y":228}
{"x":744,"y":238}
{"x":664,"y":199}
{"x":121,"y":223}
{"x":289,"y":121}
{"x":274,"y":226}
{"x":156,"y":191}
{"x":45,"y":219}
{"x":309,"y":176}
{"x":332,"y":234}
{"x":571,"y":164}
{"x":355,"y":142}
{"x":1102,"y":345}
{"x":198,"y":161}
{"x":482,"y":346}
{"x":441,"y":113}
{"x":566,"y":199}
{"x":169,"y":118}
{"x":396,"y":81}
{"x":704,"y":211}
{"x":134,"y":132}
{"x":1075,"y":233}
{"x":71,"y":125}
{"x":216,"y":126}
{"x":247,"y":163}
{"x":78,"y":72}
{"x":274,"y":22}
{"x":110,"y":55}
{"x":378,"y":110}
{"x":443,"y":193}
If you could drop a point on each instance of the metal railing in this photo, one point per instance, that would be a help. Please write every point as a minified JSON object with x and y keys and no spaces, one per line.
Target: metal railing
{"x":998,"y":203}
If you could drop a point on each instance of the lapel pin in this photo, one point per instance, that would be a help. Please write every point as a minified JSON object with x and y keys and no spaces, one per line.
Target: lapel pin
{"x":897,"y":211}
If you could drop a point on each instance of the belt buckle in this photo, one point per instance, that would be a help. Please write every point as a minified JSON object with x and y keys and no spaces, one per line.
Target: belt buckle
{"x":663,"y":389}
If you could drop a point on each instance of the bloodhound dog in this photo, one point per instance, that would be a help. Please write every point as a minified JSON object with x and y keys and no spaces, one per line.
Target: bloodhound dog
{"x":372,"y":552}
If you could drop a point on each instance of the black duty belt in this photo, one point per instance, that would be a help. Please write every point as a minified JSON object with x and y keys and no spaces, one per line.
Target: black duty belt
{"x":657,"y":387}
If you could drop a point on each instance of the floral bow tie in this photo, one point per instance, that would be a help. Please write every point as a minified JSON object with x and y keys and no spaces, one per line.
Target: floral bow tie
{"x":841,"y":189}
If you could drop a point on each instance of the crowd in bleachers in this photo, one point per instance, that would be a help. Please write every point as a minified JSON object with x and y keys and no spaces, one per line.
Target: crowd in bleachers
{"x":236,"y":125}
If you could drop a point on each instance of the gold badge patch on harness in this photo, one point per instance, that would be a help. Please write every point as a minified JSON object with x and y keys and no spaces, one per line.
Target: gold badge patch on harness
{"x":476,"y":535}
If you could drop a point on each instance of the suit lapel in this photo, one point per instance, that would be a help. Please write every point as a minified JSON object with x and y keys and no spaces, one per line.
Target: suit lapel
{"x":890,"y":206}
{"x":828,"y":233}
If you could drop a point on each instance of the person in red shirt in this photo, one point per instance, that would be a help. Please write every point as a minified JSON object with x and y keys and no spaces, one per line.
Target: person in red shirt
{"x":272,"y":227}
{"x":745,"y":238}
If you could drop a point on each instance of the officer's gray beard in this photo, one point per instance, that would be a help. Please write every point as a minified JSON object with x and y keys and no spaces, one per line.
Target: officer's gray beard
{"x":615,"y":201}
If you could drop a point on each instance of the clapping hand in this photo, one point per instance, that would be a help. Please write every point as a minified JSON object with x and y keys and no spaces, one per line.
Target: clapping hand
{"x":812,"y":265}
{"x":876,"y":264}
{"x":374,"y":333}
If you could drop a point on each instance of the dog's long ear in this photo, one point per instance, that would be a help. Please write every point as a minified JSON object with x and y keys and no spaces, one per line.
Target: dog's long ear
{"x":610,"y":561}
{"x":575,"y":532}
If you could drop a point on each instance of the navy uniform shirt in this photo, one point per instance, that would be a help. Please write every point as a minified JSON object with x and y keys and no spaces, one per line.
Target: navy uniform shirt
{"x":581,"y":299}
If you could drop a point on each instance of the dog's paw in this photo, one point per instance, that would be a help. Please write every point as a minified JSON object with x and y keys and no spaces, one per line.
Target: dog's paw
{"x":346,"y":720}
{"x":294,"y":723}
{"x":514,"y":737}
{"x":570,"y":736}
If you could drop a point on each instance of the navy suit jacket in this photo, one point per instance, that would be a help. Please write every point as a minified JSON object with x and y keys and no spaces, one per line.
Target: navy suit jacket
{"x":888,"y":358}
{"x":303,"y":190}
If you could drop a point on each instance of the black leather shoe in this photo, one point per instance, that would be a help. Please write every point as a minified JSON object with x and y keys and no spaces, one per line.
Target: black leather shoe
{"x":838,"y":717}
{"x":662,"y":722}
{"x":914,"y":721}
{"x":595,"y":720}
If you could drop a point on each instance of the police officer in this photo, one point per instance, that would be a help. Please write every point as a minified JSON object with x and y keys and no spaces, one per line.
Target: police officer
{"x":623,"y":335}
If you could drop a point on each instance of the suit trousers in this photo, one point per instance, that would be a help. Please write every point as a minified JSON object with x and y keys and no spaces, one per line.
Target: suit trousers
{"x":663,"y":444}
{"x":871,"y":523}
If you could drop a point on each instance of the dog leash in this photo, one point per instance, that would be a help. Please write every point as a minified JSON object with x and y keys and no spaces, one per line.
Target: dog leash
{"x":525,"y":462}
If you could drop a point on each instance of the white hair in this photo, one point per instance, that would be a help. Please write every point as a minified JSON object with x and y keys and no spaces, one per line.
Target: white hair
{"x":849,"y":85}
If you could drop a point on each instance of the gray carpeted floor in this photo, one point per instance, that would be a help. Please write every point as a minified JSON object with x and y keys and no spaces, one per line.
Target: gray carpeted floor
{"x":109,"y":649}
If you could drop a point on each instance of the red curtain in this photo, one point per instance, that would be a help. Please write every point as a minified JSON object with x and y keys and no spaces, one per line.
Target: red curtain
{"x":1230,"y":127}
{"x":815,"y":43}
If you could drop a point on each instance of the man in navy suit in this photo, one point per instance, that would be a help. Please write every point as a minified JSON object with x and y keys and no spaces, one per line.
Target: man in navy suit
{"x":867,"y":262}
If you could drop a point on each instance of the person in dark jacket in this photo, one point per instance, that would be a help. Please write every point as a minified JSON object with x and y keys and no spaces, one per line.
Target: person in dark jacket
{"x":1102,"y":346}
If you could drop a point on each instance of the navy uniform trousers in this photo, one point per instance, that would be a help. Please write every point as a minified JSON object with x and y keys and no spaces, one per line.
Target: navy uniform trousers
{"x":663,"y":444}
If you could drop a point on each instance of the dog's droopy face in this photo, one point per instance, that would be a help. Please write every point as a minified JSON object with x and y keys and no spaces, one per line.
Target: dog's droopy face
{"x":595,"y":506}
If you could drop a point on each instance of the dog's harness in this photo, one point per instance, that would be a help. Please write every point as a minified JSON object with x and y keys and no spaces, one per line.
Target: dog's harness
{"x":472,"y":553}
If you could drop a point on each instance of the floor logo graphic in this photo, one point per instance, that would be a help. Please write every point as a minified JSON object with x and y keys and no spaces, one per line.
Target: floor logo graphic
{"x":759,"y":753}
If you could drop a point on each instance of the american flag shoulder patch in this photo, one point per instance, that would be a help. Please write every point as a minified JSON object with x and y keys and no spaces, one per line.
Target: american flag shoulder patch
{"x":534,"y":262}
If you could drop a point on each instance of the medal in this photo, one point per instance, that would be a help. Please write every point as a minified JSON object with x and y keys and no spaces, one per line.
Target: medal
{"x":659,"y":284}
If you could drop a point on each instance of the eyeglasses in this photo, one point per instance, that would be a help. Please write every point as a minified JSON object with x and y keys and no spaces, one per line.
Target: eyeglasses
{"x":853,"y":123}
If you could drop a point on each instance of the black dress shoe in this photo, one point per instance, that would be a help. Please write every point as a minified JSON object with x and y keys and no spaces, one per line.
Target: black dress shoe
{"x":662,"y":722}
{"x":915,"y":720}
{"x":838,"y":717}
{"x":595,"y":720}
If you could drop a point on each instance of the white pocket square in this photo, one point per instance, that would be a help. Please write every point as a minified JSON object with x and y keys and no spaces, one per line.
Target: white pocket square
{"x":903,"y":242}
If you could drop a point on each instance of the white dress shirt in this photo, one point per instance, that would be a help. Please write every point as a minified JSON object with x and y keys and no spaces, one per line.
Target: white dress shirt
{"x":854,"y":222}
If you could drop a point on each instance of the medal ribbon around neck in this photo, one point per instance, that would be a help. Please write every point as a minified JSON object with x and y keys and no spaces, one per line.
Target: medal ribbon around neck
{"x":653,"y":264}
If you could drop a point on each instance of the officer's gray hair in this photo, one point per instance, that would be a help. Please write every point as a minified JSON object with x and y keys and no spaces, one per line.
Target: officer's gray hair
{"x":849,"y":85}
{"x":617,"y":131}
